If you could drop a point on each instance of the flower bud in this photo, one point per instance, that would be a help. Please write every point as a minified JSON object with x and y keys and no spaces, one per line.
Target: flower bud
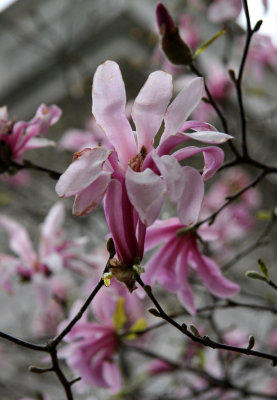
{"x":175,"y":49}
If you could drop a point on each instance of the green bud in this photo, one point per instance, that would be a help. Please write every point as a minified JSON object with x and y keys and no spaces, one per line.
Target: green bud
{"x":255,"y":275}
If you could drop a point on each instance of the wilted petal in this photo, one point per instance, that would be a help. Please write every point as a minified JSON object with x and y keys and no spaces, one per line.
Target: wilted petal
{"x":146,"y":192}
{"x":85,"y":169}
{"x":108,"y":107}
{"x":173,"y":174}
{"x":182,"y":106}
{"x":190,"y":203}
{"x":88,"y":199}
{"x":149,"y":107}
{"x":211,"y":275}
{"x":213,"y":156}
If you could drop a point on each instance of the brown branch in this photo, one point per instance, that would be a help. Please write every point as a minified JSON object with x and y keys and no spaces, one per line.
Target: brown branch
{"x":205,"y":340}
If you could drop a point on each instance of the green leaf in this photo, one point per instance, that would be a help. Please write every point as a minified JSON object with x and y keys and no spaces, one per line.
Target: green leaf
{"x":139,"y":325}
{"x":255,"y":275}
{"x":119,"y":317}
{"x":208,"y":43}
{"x":263,"y":268}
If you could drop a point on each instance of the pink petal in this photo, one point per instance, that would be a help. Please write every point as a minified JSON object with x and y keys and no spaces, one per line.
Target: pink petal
{"x":108,"y":107}
{"x":112,"y":376}
{"x":172,"y":172}
{"x":4,"y":116}
{"x":211,"y":275}
{"x":86,"y":167}
{"x":182,"y":106}
{"x":161,"y":231}
{"x":146,"y":192}
{"x":114,"y":217}
{"x":224,"y":10}
{"x":89,"y":198}
{"x":150,"y":106}
{"x":20,"y":242}
{"x":184,"y":292}
{"x":36,"y":143}
{"x":210,"y":137}
{"x":190,"y":203}
{"x":213,"y":156}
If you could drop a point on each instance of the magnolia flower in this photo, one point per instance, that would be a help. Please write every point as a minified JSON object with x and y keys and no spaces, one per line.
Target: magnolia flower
{"x":77,"y":139}
{"x":236,"y":220}
{"x":18,"y":137}
{"x":54,"y":251}
{"x":169,"y":265}
{"x":92,"y":347}
{"x":132,"y":175}
{"x":224,"y":10}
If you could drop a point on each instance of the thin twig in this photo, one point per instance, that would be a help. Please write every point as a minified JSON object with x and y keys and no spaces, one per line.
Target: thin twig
{"x":205,"y":340}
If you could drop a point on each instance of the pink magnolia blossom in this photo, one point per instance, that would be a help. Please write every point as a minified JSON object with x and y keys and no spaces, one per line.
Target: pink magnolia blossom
{"x":262,"y":54}
{"x":92,"y":346}
{"x":169,"y":265}
{"x":20,"y":136}
{"x":236,"y":220}
{"x":77,"y":139}
{"x":135,"y":177}
{"x":224,"y":10}
{"x":54,"y":251}
{"x":21,"y":179}
{"x":159,"y":366}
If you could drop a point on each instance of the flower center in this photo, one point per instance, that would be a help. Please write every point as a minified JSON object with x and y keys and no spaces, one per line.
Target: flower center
{"x":136,"y":162}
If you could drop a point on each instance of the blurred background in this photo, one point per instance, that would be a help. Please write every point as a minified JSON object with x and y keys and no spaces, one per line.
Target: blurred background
{"x":49,"y":51}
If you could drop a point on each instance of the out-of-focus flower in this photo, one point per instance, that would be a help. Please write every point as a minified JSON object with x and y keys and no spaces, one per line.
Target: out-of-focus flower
{"x":262,"y":54}
{"x":21,"y":179}
{"x":18,"y":137}
{"x":134,"y":177}
{"x":54,"y":250}
{"x":169,"y":265}
{"x":92,"y":346}
{"x":77,"y":139}
{"x":238,"y":218}
{"x":158,"y":366}
{"x":224,"y":10}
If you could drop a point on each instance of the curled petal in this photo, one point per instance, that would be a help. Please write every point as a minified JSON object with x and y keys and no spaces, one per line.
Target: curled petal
{"x":86,"y":167}
{"x":213,"y":156}
{"x":150,"y":106}
{"x":88,"y":199}
{"x":108,"y":107}
{"x":182,"y":106}
{"x":191,"y":200}
{"x":146,"y":192}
